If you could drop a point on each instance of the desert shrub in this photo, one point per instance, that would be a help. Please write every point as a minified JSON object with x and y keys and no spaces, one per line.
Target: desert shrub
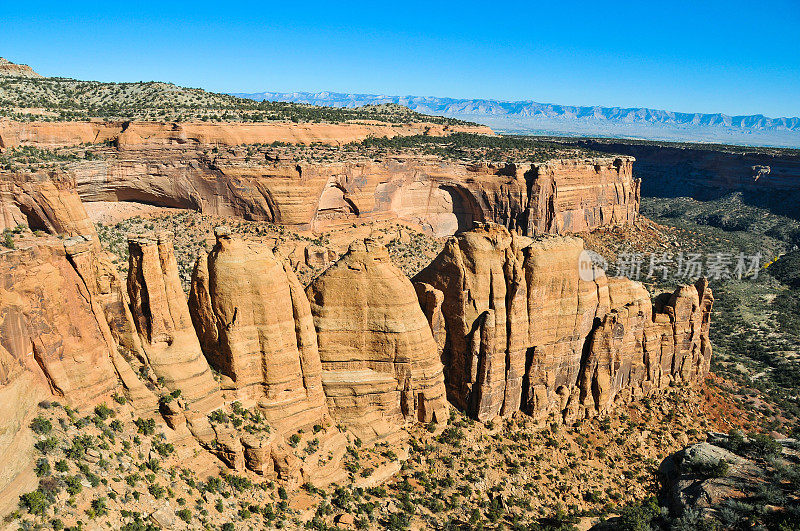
{"x":156,"y":490}
{"x":73,"y":484}
{"x":640,"y":516}
{"x":103,"y":411}
{"x":708,"y":469}
{"x":218,"y":416}
{"x":239,"y":483}
{"x":41,"y":425}
{"x":46,"y":445}
{"x":146,"y":427}
{"x":42,"y":467}
{"x":35,"y":502}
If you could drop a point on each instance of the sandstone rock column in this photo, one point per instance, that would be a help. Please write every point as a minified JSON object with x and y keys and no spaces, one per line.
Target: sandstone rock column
{"x":380,"y":363}
{"x":255,"y":326}
{"x":484,"y":308}
{"x":635,"y":350}
{"x":162,"y":319}
{"x":519,"y":315}
{"x":563,"y":310}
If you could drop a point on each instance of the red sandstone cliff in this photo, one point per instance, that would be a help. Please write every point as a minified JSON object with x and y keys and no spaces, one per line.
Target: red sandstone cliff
{"x":130,"y":134}
{"x":524,"y":331}
{"x":556,"y":197}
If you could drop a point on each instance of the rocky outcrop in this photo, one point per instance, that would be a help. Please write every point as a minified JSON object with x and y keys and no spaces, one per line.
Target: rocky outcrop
{"x":162,"y":320}
{"x":768,"y":178}
{"x":568,"y":196}
{"x":48,"y":323}
{"x":55,"y":340}
{"x":255,"y":327}
{"x":9,"y":69}
{"x":523,"y":329}
{"x":46,"y":202}
{"x":129,"y":134}
{"x":443,"y":197}
{"x":380,"y":363}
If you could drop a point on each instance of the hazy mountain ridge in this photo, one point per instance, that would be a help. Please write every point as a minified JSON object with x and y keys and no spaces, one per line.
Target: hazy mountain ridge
{"x":531,"y":116}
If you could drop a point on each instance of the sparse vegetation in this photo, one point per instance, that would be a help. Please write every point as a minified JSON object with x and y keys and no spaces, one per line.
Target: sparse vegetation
{"x":63,"y":99}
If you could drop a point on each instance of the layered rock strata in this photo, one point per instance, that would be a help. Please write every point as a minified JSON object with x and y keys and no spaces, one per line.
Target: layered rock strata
{"x":524,"y":329}
{"x":46,"y":202}
{"x":124,"y":134}
{"x":556,"y":197}
{"x":163,"y":322}
{"x":58,"y":304}
{"x":9,"y":69}
{"x":767,"y":178}
{"x":380,"y":363}
{"x":255,"y":327}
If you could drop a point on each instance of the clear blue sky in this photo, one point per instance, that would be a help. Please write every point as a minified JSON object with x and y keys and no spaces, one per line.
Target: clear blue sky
{"x":736,"y":57}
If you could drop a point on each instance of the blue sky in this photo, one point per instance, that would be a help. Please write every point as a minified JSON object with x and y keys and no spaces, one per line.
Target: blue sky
{"x":734,"y":57}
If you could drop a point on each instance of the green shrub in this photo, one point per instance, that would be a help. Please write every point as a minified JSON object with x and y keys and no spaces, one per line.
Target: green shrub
{"x":41,"y":425}
{"x":8,"y":239}
{"x":184,"y":514}
{"x":73,"y":484}
{"x":42,"y":467}
{"x":146,"y":427}
{"x":157,"y":491}
{"x":103,"y":411}
{"x":46,"y":445}
{"x":35,"y":502}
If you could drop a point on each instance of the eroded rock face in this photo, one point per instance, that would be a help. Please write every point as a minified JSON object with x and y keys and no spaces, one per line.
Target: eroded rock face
{"x":127,"y":134}
{"x":687,"y":487}
{"x":255,"y":327}
{"x":9,"y":69}
{"x":380,"y":363}
{"x":55,"y":340}
{"x":569,"y":196}
{"x":443,"y":197}
{"x":524,"y":330}
{"x":46,"y":202}
{"x":48,"y":324}
{"x":638,"y":348}
{"x":163,"y":322}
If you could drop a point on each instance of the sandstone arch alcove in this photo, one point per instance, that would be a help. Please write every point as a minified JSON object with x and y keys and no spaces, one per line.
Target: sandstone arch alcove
{"x":441,"y":209}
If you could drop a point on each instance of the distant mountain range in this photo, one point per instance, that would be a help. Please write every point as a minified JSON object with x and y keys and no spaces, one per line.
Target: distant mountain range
{"x":530,"y":117}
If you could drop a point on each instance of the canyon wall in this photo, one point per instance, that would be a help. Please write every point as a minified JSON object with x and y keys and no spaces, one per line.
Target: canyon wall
{"x":497,"y":323}
{"x":42,"y":201}
{"x":524,"y":330}
{"x":443,"y":197}
{"x":128,"y":134}
{"x":229,"y":170}
{"x":765,"y":178}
